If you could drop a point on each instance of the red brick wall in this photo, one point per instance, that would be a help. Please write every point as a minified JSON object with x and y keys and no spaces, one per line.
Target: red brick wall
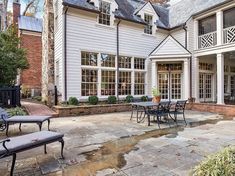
{"x":31,"y":78}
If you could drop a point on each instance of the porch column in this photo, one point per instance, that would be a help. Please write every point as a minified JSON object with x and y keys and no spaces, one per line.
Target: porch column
{"x":220,"y":78}
{"x":219,"y":24}
{"x":154,"y":74}
{"x":196,"y":34}
{"x":196,"y":81}
{"x":186,"y":79}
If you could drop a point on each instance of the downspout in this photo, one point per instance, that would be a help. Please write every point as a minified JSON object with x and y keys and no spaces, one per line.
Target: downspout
{"x":65,"y":54}
{"x":190,"y":60}
{"x":118,"y":59}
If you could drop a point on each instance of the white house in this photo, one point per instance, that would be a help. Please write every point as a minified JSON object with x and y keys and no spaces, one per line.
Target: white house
{"x":126,"y":47}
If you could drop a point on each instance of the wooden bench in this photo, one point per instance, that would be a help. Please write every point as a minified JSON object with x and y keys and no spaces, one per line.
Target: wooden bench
{"x":14,"y":145}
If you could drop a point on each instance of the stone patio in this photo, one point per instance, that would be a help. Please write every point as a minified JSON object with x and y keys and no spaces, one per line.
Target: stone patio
{"x":111,"y":144}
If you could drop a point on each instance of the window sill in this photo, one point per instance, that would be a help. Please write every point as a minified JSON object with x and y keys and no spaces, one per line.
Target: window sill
{"x":111,"y":27}
{"x":148,"y":35}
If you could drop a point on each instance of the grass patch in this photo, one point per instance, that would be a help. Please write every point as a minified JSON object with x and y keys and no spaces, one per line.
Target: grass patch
{"x":220,"y":164}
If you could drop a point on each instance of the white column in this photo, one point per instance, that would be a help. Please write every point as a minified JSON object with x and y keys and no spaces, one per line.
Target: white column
{"x":99,"y":75}
{"x":132,"y":77}
{"x":186,"y":80}
{"x":196,"y":34}
{"x":219,"y":25}
{"x":154,"y":74}
{"x":196,"y":81}
{"x":220,"y":78}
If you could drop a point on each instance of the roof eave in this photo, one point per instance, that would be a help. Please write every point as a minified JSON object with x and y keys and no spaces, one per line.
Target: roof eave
{"x":122,"y":18}
{"x":81,"y":8}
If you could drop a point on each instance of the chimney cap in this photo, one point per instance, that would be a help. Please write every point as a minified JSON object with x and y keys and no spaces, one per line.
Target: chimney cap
{"x":16,"y":1}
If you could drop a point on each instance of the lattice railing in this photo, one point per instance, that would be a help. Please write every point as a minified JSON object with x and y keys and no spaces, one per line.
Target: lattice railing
{"x":207,"y":40}
{"x":229,"y":35}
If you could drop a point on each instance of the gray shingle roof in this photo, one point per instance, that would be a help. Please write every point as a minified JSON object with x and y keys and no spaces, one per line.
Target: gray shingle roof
{"x":168,"y":17}
{"x":183,"y":10}
{"x":30,"y":23}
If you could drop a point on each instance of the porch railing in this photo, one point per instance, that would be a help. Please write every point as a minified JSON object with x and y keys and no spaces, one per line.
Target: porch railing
{"x":229,"y":35}
{"x":207,"y":40}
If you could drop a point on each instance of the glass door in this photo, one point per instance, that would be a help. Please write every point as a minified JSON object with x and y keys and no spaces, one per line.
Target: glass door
{"x":205,"y":87}
{"x":169,"y":81}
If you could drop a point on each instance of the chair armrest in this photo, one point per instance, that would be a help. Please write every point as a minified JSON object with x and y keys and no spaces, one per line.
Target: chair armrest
{"x":4,"y":144}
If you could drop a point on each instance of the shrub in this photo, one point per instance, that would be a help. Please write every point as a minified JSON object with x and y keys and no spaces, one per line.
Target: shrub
{"x":222,"y":163}
{"x":93,"y":100}
{"x":129,"y":98}
{"x":16,"y":111}
{"x":112,"y":99}
{"x":38,"y":98}
{"x":73,"y":101}
{"x":144,"y":98}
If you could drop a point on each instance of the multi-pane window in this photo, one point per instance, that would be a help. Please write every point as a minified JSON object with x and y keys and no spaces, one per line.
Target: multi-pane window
{"x":124,"y":62}
{"x":163,"y":81}
{"x":225,"y":83}
{"x":108,"y":82}
{"x":229,"y":18}
{"x":139,"y":63}
{"x":169,"y":67}
{"x":176,"y":85}
{"x":206,"y":66}
{"x":104,"y":16}
{"x":139,"y":83}
{"x":149,"y":27}
{"x":107,"y":60}
{"x":207,"y":25}
{"x":89,"y":82}
{"x":124,"y":83}
{"x":89,"y":58}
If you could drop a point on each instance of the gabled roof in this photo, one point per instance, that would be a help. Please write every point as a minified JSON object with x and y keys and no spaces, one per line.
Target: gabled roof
{"x":169,"y":18}
{"x":170,"y":47}
{"x":30,"y":23}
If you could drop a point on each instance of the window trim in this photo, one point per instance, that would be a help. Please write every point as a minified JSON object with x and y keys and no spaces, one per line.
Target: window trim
{"x":107,"y":15}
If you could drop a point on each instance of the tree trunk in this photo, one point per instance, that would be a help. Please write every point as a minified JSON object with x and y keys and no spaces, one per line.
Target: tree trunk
{"x":4,"y":14}
{"x":48,"y":54}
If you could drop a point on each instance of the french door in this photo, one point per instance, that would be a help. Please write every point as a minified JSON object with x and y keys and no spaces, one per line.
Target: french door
{"x":205,"y":87}
{"x":170,"y":85}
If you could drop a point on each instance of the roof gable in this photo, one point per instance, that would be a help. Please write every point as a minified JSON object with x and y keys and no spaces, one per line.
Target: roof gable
{"x":170,"y":47}
{"x":147,"y":7}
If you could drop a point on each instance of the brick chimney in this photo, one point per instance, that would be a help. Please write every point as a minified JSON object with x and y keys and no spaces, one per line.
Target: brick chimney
{"x":16,"y":11}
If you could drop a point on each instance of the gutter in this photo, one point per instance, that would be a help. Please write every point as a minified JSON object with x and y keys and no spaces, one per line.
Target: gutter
{"x":118,"y":59}
{"x":65,"y":53}
{"x":80,"y":7}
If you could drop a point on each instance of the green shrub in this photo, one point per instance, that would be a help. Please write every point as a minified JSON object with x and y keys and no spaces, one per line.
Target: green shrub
{"x":222,"y":163}
{"x":73,"y":101}
{"x":38,"y":98}
{"x":16,"y":111}
{"x":144,"y":98}
{"x":129,"y":98}
{"x":93,"y":100}
{"x":112,"y":99}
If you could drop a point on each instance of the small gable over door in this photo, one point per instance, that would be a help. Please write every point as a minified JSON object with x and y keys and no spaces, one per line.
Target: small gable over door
{"x":170,"y":47}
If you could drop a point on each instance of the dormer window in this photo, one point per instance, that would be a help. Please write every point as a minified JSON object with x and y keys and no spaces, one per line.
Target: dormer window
{"x":104,"y":16}
{"x":149,"y":27}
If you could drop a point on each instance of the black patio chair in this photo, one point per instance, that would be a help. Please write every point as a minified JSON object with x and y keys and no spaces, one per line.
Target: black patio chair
{"x":162,"y":110}
{"x":179,"y":109}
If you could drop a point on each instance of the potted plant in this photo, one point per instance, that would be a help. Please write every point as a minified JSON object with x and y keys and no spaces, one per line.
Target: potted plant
{"x":156,"y":95}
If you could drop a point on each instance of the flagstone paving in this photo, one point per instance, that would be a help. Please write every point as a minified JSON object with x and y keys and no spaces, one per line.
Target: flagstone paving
{"x":111,"y":144}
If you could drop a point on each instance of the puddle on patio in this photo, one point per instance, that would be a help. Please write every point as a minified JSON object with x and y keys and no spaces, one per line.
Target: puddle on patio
{"x":111,"y":154}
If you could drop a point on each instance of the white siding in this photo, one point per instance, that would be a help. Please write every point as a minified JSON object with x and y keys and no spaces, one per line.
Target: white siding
{"x":59,"y":45}
{"x":84,"y":34}
{"x":179,"y":35}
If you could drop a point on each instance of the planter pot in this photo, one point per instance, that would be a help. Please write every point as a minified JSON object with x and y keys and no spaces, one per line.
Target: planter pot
{"x":156,"y":99}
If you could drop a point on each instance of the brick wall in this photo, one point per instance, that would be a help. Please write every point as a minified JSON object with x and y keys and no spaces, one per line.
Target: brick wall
{"x":31,"y":78}
{"x":226,"y":110}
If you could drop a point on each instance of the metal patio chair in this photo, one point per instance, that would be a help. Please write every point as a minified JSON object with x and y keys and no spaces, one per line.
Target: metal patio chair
{"x":179,"y":109}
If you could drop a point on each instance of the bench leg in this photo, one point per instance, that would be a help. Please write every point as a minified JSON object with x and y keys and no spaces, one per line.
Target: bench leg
{"x":49,"y":125}
{"x":7,"y":128}
{"x":20,"y":127}
{"x":40,"y":126}
{"x":13,"y":164}
{"x":62,"y":148}
{"x":45,"y":149}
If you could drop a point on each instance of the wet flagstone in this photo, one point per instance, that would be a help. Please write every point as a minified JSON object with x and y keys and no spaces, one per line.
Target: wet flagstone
{"x":112,"y":145}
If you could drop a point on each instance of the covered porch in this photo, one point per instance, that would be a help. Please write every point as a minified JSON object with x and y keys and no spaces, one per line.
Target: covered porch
{"x":215,"y":78}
